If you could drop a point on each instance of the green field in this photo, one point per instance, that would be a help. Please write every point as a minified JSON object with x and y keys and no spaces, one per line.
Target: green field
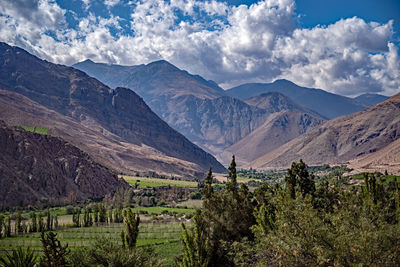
{"x":159,"y":210}
{"x":36,"y":129}
{"x":164,"y":238}
{"x":144,"y":182}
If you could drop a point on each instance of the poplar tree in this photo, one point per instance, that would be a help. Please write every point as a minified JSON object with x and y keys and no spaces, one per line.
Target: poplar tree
{"x":34,"y":226}
{"x":231,"y":186}
{"x":131,"y":221}
{"x":208,"y":190}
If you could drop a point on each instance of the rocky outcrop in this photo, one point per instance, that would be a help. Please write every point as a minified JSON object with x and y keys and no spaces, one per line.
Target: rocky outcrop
{"x":41,"y":169}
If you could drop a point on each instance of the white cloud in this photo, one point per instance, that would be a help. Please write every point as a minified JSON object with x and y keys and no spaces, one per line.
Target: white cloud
{"x":231,"y":45}
{"x":111,"y":3}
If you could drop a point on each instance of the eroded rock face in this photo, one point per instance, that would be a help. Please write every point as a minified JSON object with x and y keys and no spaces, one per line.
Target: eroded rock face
{"x":37,"y":168}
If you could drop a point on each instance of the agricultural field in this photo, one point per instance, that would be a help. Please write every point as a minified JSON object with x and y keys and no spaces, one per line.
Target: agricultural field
{"x":163,"y":237}
{"x":161,"y":210}
{"x":191,"y":203}
{"x":36,"y":129}
{"x":145,"y":182}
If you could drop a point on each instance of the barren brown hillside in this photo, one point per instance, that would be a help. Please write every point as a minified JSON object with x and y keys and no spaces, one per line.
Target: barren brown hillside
{"x":37,"y":168}
{"x":105,"y":147}
{"x":342,"y":139}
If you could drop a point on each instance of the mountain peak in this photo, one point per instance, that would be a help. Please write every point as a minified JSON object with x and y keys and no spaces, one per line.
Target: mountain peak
{"x":88,"y":61}
{"x":283,"y":81}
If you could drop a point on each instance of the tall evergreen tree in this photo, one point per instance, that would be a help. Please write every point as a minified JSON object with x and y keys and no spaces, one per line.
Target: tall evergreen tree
{"x":231,"y":186}
{"x":208,"y":190}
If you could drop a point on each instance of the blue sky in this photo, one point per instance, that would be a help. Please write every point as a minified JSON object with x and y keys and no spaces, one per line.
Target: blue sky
{"x":346,"y":47}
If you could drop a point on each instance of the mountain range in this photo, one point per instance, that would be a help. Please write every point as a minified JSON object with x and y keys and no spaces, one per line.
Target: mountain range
{"x":228,"y":122}
{"x":327,"y":104}
{"x":134,"y":139}
{"x":259,"y":123}
{"x":362,"y":137}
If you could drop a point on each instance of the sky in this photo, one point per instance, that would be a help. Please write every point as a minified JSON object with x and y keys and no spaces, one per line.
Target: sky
{"x":346,"y":47}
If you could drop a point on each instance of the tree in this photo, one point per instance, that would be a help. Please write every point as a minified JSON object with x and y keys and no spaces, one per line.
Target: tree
{"x":231,"y":186}
{"x":1,"y":224}
{"x":196,"y":247}
{"x":298,"y":175}
{"x":18,"y":223}
{"x":131,"y":221}
{"x":228,"y":216}
{"x":54,"y":253}
{"x":102,"y":213}
{"x":7,"y":227}
{"x":87,"y":218}
{"x":76,"y":216}
{"x":34,"y":226}
{"x":208,"y":190}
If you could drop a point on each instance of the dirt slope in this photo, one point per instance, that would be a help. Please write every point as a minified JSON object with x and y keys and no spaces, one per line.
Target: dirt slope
{"x":341,"y":139}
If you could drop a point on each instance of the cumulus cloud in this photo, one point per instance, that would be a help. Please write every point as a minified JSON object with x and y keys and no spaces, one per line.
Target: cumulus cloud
{"x":229,"y":44}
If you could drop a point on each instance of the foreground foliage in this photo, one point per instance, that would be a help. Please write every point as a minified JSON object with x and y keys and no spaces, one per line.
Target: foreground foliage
{"x":299,"y":223}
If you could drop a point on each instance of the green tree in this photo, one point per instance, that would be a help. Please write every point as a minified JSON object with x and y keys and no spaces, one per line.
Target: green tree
{"x":196,"y":247}
{"x":102,"y":213}
{"x":298,"y":175}
{"x":18,"y":223}
{"x":208,"y":190}
{"x":87,"y":218}
{"x":7,"y":227}
{"x":34,"y":226}
{"x":231,"y":186}
{"x":228,"y":217}
{"x":131,"y":221}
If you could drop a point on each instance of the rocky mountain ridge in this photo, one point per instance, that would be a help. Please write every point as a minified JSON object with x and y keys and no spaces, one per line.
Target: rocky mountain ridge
{"x":42,"y":169}
{"x":119,"y":111}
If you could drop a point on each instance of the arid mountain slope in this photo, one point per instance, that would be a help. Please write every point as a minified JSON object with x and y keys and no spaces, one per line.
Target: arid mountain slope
{"x":215,"y":123}
{"x":43,"y":169}
{"x":385,"y":159}
{"x":280,"y":128}
{"x":324,"y":103}
{"x":120,"y":111}
{"x":286,"y":120}
{"x":341,"y":139}
{"x":193,"y":106}
{"x":103,"y":146}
